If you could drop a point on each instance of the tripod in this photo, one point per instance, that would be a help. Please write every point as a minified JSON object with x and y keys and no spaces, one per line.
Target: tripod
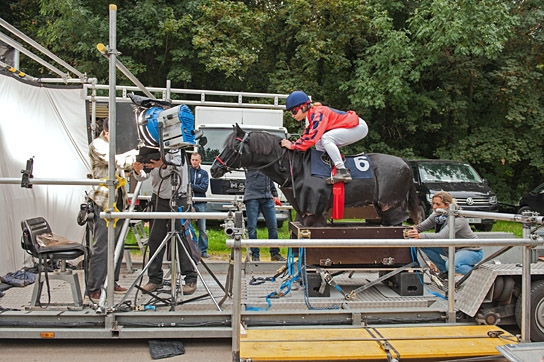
{"x":175,"y":235}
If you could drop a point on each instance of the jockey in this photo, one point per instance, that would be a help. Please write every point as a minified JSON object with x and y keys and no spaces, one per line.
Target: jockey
{"x":327,"y":129}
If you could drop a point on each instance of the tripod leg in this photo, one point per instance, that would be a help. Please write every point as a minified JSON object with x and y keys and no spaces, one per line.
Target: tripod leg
{"x":212,"y":275}
{"x":153,"y":257}
{"x":173,"y":266}
{"x":178,"y":237}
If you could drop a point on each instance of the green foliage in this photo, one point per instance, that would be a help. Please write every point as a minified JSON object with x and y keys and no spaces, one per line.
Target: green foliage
{"x":217,"y":239}
{"x":508,"y":227}
{"x":218,"y":249}
{"x":228,"y":37}
{"x":433,"y":78}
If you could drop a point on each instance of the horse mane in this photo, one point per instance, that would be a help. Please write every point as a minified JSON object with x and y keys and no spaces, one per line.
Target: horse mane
{"x":260,"y":144}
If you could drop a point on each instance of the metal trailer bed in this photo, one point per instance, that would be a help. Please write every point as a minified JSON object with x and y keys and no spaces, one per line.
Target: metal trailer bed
{"x":197,"y":316}
{"x":269,"y":308}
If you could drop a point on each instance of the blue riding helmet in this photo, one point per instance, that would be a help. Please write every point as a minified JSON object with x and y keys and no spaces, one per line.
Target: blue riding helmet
{"x":296,"y":99}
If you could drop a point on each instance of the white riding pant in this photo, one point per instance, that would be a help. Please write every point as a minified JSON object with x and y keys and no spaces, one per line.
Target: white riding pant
{"x":338,"y":137}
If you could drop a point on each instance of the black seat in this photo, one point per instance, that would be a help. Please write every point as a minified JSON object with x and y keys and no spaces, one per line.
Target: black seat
{"x":40,"y":242}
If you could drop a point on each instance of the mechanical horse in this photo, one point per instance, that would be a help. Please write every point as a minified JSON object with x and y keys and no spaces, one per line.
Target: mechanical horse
{"x":390,"y":189}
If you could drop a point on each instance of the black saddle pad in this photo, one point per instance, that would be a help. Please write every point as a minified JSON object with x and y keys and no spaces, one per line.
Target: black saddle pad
{"x":359,"y":165}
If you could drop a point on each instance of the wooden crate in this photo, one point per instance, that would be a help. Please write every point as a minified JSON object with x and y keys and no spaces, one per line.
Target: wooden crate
{"x":352,"y":257}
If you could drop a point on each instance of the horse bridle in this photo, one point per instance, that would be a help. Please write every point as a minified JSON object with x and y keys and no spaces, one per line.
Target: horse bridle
{"x":239,"y":154}
{"x":239,"y":157}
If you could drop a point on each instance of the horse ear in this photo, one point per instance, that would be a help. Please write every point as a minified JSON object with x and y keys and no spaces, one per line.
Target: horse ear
{"x":239,"y":132}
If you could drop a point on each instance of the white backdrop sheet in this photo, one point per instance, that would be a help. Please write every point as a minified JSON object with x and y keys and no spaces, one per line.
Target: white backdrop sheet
{"x":48,"y":124}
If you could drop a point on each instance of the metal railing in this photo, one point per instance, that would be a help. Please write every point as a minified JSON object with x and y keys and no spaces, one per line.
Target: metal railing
{"x":187,"y":96}
{"x":527,"y":242}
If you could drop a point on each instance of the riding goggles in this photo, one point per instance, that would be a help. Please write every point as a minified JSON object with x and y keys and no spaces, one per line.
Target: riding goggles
{"x":295,"y":110}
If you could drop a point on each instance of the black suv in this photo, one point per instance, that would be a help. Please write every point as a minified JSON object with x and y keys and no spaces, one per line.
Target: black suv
{"x":533,"y":201}
{"x":461,"y":180}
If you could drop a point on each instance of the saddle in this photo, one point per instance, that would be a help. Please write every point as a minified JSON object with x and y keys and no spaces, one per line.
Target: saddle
{"x":359,"y":165}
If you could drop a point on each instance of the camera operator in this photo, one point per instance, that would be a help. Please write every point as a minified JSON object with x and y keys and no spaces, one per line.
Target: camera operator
{"x":99,"y":155}
{"x":161,"y":175}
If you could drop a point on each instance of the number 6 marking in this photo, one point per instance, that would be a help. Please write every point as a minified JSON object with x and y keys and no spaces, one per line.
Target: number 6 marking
{"x":361,"y":163}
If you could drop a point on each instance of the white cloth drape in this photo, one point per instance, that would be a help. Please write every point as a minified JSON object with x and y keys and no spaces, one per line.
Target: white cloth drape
{"x":49,"y":124}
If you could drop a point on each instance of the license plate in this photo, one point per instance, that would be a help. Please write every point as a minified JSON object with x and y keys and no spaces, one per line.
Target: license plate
{"x":474,"y":220}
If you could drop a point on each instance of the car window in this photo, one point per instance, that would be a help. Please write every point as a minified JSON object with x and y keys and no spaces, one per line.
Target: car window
{"x":448,"y":172}
{"x":538,"y":189}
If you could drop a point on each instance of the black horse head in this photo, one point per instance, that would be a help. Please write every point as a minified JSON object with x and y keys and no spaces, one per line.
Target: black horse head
{"x":230,"y":158}
{"x":253,"y":150}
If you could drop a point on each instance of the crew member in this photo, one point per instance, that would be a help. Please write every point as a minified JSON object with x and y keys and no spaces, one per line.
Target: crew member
{"x":161,"y":201}
{"x":199,"y":180}
{"x":99,"y":154}
{"x":465,"y":257}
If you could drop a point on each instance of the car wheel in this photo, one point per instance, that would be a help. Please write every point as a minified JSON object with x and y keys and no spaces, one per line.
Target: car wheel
{"x":524,"y":208}
{"x":422,"y":212}
{"x":536,"y":315}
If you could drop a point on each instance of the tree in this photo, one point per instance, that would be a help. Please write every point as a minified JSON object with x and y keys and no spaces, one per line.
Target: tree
{"x":432,"y":78}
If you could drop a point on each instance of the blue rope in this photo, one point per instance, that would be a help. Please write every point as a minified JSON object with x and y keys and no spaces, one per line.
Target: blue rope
{"x":285,"y":287}
{"x":305,"y":286}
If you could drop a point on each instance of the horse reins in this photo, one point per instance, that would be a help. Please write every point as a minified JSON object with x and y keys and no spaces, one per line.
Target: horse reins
{"x":224,"y":164}
{"x":242,"y":141}
{"x":292,"y":175}
{"x":273,"y":161}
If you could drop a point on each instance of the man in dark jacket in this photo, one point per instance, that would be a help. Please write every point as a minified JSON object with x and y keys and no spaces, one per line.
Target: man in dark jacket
{"x":260,"y":195}
{"x":199,"y":180}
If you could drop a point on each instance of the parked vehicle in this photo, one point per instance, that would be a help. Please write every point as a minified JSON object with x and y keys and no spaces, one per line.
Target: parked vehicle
{"x":533,"y":201}
{"x":461,"y":180}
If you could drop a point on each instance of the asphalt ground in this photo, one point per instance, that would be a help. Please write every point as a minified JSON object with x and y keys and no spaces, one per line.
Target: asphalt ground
{"x":196,"y":350}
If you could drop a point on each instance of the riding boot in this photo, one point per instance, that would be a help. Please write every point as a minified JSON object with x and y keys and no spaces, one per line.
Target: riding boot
{"x":342,"y":175}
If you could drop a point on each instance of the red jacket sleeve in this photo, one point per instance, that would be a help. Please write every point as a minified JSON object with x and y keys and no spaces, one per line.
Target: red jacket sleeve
{"x":320,"y":120}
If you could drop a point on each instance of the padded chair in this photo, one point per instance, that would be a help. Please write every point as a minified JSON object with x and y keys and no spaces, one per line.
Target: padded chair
{"x":40,"y":242}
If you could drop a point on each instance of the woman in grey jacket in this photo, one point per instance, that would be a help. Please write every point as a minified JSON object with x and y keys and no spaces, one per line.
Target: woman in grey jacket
{"x":465,"y":257}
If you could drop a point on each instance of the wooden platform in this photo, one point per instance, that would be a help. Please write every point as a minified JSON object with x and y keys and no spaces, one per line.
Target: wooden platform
{"x":416,"y":343}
